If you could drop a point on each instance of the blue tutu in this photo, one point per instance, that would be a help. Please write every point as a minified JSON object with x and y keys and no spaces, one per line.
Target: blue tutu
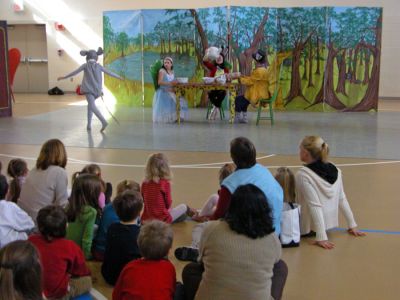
{"x":164,"y":104}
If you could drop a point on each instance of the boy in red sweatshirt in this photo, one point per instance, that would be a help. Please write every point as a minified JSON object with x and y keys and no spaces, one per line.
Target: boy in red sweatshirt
{"x":65,"y":273}
{"x":153,"y":276}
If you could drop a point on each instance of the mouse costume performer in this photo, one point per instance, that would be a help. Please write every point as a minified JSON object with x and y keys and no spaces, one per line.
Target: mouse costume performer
{"x":92,"y":84}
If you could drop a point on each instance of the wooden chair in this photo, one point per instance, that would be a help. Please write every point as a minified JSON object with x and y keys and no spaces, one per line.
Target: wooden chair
{"x":264,"y":102}
{"x":14,"y":58}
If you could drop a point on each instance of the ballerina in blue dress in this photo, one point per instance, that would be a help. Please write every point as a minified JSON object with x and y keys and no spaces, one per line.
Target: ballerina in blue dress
{"x":164,"y":100}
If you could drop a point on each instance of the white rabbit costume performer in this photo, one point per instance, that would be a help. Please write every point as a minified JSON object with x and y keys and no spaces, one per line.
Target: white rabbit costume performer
{"x":92,"y":84}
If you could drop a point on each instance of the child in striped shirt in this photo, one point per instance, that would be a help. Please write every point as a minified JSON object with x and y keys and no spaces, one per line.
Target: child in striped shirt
{"x":156,"y":191}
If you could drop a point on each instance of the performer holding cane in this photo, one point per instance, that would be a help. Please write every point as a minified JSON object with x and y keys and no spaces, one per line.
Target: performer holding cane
{"x":92,"y":84}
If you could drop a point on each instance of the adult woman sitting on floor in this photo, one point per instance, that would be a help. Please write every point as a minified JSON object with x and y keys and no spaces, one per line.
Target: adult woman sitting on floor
{"x":239,"y":255}
{"x":319,"y":191}
{"x":47,"y":183}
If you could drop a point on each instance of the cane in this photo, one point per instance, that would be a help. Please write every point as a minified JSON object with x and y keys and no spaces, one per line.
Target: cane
{"x":114,"y":118}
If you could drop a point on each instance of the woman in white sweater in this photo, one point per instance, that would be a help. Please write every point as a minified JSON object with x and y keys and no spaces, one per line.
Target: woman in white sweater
{"x":319,"y":191}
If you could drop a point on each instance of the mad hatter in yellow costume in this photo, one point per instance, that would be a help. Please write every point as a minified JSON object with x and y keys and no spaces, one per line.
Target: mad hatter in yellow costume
{"x":259,"y":85}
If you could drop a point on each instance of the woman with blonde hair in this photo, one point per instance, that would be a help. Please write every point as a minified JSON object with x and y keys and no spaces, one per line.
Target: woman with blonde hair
{"x":47,"y":183}
{"x":319,"y":190}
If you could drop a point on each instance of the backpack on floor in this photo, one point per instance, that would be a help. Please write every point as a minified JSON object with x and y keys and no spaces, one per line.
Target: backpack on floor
{"x":290,"y":225}
{"x":55,"y":91}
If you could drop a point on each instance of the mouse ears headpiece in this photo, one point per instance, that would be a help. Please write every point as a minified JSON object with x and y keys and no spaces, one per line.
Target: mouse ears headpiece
{"x":92,"y":54}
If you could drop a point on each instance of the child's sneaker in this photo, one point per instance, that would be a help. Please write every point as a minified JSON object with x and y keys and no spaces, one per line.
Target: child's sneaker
{"x":238,"y":117}
{"x":244,"y":118}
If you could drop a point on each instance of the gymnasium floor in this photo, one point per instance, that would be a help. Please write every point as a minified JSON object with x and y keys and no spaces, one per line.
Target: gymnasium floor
{"x":365,"y":146}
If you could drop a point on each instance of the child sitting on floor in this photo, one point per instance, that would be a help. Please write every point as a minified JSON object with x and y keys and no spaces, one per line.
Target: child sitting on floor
{"x":153,"y":276}
{"x":109,"y":216}
{"x":65,"y":274}
{"x":211,"y":204}
{"x":156,"y":191}
{"x":3,"y":179}
{"x":285,"y":178}
{"x":191,"y":253}
{"x":83,"y":210}
{"x":14,"y":222}
{"x":20,"y":272}
{"x":18,"y":170}
{"x":121,"y":245}
{"x":290,"y":216}
{"x":106,"y":191}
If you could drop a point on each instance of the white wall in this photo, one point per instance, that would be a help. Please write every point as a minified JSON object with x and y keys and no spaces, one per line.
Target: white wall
{"x":83,"y":21}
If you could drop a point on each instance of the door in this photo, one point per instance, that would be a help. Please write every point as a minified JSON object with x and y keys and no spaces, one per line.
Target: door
{"x":32,"y":73}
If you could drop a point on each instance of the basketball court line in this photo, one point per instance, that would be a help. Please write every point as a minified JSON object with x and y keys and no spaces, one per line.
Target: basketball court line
{"x":214,"y":165}
{"x":369,"y":231}
{"x":217,"y":165}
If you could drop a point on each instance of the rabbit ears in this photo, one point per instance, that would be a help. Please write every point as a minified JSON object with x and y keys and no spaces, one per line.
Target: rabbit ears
{"x":92,"y":54}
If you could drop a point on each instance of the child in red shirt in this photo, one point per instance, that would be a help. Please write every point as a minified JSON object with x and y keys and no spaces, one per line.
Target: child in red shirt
{"x":156,"y":191}
{"x":153,"y":276}
{"x":65,"y":273}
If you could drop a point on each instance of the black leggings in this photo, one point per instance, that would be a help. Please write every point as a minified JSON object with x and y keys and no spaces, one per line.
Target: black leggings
{"x":192,"y":272}
{"x":241,"y":104}
{"x":216,"y":97}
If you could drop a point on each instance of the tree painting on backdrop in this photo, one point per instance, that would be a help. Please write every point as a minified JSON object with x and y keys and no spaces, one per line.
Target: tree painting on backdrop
{"x":122,"y":37}
{"x":167,"y":32}
{"x":320,"y":58}
{"x":182,"y":35}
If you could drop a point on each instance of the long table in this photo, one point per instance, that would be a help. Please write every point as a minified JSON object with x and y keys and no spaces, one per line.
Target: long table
{"x":181,"y":88}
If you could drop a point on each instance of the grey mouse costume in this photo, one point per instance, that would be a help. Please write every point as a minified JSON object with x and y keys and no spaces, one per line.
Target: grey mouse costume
{"x":92,"y":83}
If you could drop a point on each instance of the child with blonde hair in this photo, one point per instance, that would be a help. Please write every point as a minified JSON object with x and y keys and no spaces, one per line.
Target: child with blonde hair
{"x":290,"y":216}
{"x":109,"y":217}
{"x":156,"y":191}
{"x":127,"y":185}
{"x":137,"y":280}
{"x":211,"y":204}
{"x":191,"y":253}
{"x":285,"y":177}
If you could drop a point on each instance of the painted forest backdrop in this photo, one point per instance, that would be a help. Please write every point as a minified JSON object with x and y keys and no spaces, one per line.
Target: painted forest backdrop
{"x":334,"y":60}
